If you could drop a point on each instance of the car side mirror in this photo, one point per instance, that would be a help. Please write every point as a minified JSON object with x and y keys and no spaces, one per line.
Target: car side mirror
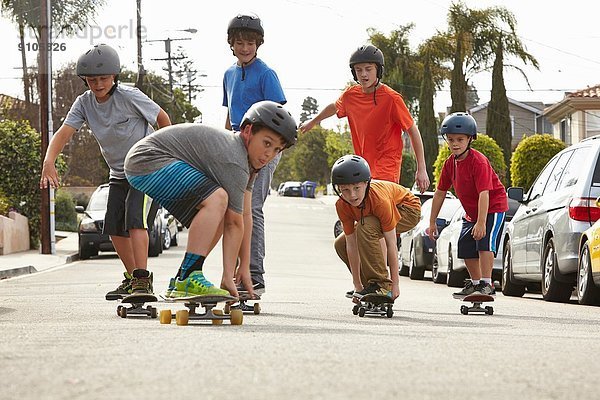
{"x":79,"y":209}
{"x":515,"y":193}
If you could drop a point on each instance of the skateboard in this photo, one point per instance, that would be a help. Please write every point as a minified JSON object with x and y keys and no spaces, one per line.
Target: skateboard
{"x":137,"y":301}
{"x":476,"y":299}
{"x":374,"y":304}
{"x":182,"y":317}
{"x":243,"y":305}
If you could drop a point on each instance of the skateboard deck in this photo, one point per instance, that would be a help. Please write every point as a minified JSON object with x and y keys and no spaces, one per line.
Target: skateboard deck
{"x":374,"y":304}
{"x":244,"y":305}
{"x":137,"y":301}
{"x":476,"y":299}
{"x":182,"y":317}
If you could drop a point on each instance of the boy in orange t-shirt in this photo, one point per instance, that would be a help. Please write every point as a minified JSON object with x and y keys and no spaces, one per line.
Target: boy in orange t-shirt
{"x":369,"y":211}
{"x":377,"y":116}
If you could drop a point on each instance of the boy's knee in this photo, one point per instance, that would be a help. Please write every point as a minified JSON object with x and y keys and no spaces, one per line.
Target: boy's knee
{"x":218,"y":199}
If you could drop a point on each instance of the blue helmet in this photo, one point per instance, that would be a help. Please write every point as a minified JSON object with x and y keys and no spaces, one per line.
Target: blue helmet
{"x":459,"y":122}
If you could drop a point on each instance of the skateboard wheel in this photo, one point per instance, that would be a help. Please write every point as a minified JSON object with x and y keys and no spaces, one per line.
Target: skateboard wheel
{"x":123,"y":312}
{"x":464,"y":310}
{"x":119,"y":310}
{"x":165,"y":316}
{"x":237,"y":317}
{"x":152,"y":312}
{"x":361,"y":312}
{"x":389,"y":312}
{"x":256,"y":308}
{"x":489,"y":310}
{"x":227,"y":309}
{"x":217,"y":321}
{"x":182,"y":317}
{"x":355,"y":310}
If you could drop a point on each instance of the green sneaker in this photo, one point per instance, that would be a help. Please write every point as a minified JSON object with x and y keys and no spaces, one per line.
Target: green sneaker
{"x":141,"y":282}
{"x":196,"y":285}
{"x":122,"y":290}
{"x":171,"y":287}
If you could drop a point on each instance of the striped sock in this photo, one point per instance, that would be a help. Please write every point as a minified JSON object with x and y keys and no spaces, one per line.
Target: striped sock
{"x":191,"y":262}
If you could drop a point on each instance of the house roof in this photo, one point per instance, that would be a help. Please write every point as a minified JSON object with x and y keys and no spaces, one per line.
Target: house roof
{"x":527,"y":106}
{"x":592,"y":92}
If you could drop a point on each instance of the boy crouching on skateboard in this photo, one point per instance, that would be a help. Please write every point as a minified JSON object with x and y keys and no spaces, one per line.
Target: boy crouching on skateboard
{"x":369,"y":210}
{"x":481,"y":194}
{"x":204,"y":177}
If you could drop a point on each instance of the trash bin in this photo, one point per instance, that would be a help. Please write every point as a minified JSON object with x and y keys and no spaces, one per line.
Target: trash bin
{"x":308,"y":189}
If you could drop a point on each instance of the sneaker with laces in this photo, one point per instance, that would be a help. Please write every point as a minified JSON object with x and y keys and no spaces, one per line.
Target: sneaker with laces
{"x":141,"y":282}
{"x":371,"y":288}
{"x":485,"y":288}
{"x":350,"y":293}
{"x":467,"y":290}
{"x":171,"y":287}
{"x":124,"y":289}
{"x":259,"y":288}
{"x":196,"y":285}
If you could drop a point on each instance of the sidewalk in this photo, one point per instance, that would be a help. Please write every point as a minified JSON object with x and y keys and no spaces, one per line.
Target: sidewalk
{"x":31,"y":261}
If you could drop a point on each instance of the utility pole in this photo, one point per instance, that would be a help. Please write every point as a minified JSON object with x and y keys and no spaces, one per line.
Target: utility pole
{"x":168,"y":59}
{"x":48,"y":240}
{"x":141,"y":71}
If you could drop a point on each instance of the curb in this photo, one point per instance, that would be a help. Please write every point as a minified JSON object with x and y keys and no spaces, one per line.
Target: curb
{"x":30,"y":269}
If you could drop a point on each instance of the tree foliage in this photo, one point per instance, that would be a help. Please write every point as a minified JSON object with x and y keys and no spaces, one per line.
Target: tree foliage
{"x":485,"y":145}
{"x":310,"y":108}
{"x":530,"y":157}
{"x":20,"y":163}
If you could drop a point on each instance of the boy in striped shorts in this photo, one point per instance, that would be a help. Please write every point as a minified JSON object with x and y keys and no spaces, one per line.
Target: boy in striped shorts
{"x":204,"y":177}
{"x":481,"y":194}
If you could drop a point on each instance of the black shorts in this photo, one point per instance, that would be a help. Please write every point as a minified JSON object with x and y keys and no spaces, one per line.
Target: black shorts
{"x":470,"y":248}
{"x":127,"y":208}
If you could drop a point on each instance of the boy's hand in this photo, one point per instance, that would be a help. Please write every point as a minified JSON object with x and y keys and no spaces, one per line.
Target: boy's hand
{"x":478,"y":231}
{"x":49,"y":176}
{"x":243,"y":277}
{"x":395,"y":291}
{"x":306,"y":126}
{"x":422,"y":180}
{"x":432,"y":232}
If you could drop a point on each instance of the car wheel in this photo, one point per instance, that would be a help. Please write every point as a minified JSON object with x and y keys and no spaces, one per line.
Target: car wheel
{"x":587,"y":292}
{"x":415,"y":272}
{"x":86,"y":252}
{"x":167,"y":240}
{"x":154,"y":244}
{"x":337,"y":229}
{"x":436,"y":275}
{"x":509,"y":287}
{"x":552,"y":289}
{"x":455,"y":278}
{"x":174,"y":239}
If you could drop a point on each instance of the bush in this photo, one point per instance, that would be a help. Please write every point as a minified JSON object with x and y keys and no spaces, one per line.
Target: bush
{"x":4,"y":205}
{"x":20,"y":163}
{"x":81,"y":199}
{"x":531,"y":156}
{"x":64,"y":211}
{"x":485,"y":145}
{"x":409,"y":167}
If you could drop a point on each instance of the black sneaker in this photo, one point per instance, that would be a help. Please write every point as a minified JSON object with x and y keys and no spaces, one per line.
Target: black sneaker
{"x":141,"y":282}
{"x":259,"y":288}
{"x":467,"y":290}
{"x":485,"y":288}
{"x":371,"y":288}
{"x":350,"y":293}
{"x":124,"y":289}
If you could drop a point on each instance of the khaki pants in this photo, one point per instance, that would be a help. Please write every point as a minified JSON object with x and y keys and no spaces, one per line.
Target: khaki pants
{"x":373,"y":264}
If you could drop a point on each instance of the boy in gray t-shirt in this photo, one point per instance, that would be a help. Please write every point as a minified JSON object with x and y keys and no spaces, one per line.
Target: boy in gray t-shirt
{"x":204,"y":176}
{"x":118,"y":116}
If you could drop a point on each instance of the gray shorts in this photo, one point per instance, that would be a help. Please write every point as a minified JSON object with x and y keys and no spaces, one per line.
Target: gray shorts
{"x":127,"y":208}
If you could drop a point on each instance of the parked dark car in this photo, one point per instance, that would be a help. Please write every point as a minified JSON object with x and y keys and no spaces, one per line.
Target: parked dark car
{"x":541,"y":242}
{"x":290,"y":188}
{"x":91,"y":238}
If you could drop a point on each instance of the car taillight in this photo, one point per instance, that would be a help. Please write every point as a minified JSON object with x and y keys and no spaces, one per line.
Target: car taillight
{"x":584,"y":209}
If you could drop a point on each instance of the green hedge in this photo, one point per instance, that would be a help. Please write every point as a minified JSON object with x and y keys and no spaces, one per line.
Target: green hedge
{"x":530,"y":156}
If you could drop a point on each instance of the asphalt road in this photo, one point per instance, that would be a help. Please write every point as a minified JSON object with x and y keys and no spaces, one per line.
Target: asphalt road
{"x":61,"y":340}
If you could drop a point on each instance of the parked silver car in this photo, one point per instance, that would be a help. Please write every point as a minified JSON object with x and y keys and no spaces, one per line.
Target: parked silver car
{"x":541,"y":241}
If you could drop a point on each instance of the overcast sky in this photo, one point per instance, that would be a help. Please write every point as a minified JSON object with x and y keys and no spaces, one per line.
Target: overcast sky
{"x":308,"y":43}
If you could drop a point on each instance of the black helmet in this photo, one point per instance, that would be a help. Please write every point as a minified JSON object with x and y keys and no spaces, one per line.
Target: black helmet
{"x":459,"y":122}
{"x":246,"y":21}
{"x":274,"y":116}
{"x":367,"y":54}
{"x":99,"y":60}
{"x":350,"y":169}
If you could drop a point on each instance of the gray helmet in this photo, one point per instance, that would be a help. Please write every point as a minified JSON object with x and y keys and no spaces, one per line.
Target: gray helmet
{"x":367,"y":54}
{"x":275,"y":117}
{"x":99,"y":60}
{"x":246,"y":21}
{"x":350,"y":169}
{"x":459,"y":122}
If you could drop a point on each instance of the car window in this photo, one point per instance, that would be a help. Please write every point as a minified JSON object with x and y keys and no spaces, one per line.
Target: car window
{"x":557,"y":172}
{"x":573,"y":169}
{"x":98,"y":200}
{"x":538,"y":186}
